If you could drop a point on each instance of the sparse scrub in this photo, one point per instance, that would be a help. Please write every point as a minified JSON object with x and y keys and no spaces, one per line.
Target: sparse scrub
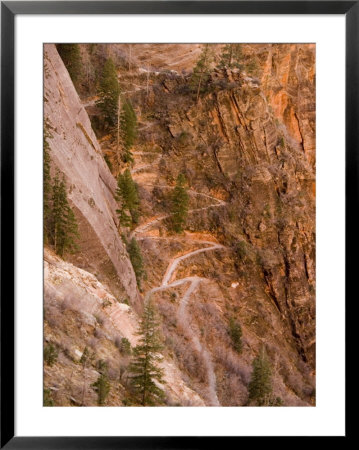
{"x":124,"y":345}
{"x":98,"y":333}
{"x":235,"y":333}
{"x":232,"y":363}
{"x":240,"y":249}
{"x":50,"y":354}
{"x":47,"y":396}
{"x":99,"y":319}
{"x":106,"y":303}
{"x":183,"y":138}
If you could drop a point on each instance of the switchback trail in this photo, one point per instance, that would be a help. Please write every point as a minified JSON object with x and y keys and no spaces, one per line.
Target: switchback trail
{"x":192,"y":281}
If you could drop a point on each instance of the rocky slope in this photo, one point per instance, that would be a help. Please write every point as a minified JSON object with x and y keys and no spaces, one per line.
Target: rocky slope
{"x":247,"y":149}
{"x":75,"y":151}
{"x":82,"y":312}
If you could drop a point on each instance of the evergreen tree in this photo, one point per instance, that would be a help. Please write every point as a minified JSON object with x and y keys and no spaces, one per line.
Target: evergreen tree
{"x":144,"y":371}
{"x":202,"y":70}
{"x":71,"y":56}
{"x":102,"y":385}
{"x":260,"y":386}
{"x":127,"y":193}
{"x":109,"y":91}
{"x":231,"y":56}
{"x":134,"y":252}
{"x":235,"y":332}
{"x":64,"y":222}
{"x":47,"y":188}
{"x":128,"y":123}
{"x":179,"y":205}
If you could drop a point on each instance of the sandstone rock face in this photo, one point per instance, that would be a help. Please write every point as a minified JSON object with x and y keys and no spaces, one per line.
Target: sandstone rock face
{"x":261,"y":162}
{"x":288,"y":79}
{"x":76,"y":305}
{"x":75,"y":151}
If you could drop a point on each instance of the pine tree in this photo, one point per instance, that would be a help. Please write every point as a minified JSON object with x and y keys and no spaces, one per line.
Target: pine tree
{"x":102,"y":385}
{"x":71,"y":56}
{"x":128,"y":123}
{"x":134,"y":252}
{"x":47,"y":188}
{"x":144,"y":371}
{"x":179,"y":205}
{"x":260,"y":386}
{"x":65,"y":229}
{"x":126,"y":192}
{"x":231,"y":56}
{"x":202,"y":70}
{"x":109,"y":91}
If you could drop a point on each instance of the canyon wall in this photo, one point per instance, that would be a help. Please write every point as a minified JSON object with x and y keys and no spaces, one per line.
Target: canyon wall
{"x":76,"y":153}
{"x":247,"y":150}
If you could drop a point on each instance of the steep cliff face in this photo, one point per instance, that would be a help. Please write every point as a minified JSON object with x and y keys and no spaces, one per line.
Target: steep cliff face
{"x":270,"y":187}
{"x":288,"y":80}
{"x":75,"y":151}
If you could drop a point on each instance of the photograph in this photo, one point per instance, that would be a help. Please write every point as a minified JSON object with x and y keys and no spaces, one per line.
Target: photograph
{"x":179,"y":224}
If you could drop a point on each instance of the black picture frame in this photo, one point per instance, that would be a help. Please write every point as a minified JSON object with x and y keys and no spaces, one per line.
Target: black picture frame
{"x":9,"y":10}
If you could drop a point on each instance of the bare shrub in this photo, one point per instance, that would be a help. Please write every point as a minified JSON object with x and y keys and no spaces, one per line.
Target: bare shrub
{"x":117,"y":341}
{"x":189,"y":360}
{"x":100,"y":318}
{"x":93,"y":343}
{"x":232,"y":364}
{"x":113,"y":373}
{"x":295,"y":383}
{"x":124,"y":345}
{"x":54,"y":320}
{"x":98,"y":333}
